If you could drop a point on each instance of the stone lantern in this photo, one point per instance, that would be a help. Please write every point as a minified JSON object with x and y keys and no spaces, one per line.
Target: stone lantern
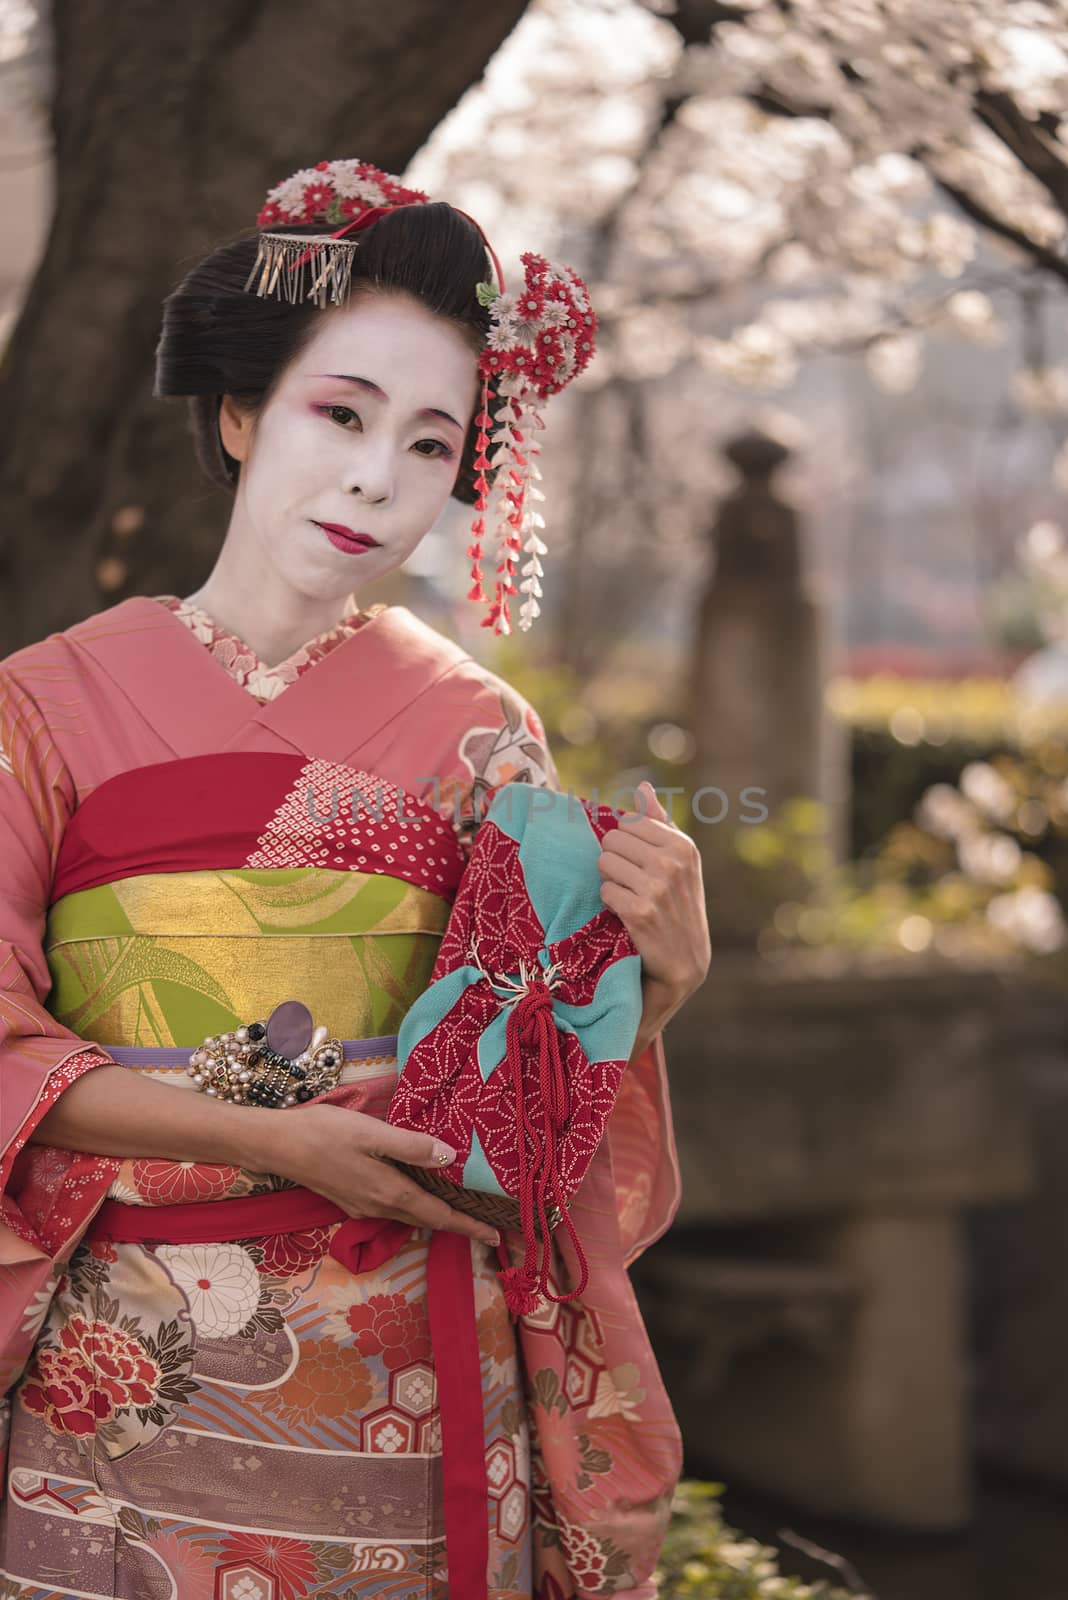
{"x":762,"y":737}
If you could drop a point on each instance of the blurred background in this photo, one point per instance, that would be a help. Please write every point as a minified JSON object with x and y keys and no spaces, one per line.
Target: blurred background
{"x":808,"y":569}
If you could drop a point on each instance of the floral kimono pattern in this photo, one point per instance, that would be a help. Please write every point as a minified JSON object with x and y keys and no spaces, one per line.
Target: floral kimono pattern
{"x":247,"y":1417}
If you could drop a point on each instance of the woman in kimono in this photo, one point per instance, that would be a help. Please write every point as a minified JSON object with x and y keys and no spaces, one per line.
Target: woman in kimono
{"x":223,"y":1378}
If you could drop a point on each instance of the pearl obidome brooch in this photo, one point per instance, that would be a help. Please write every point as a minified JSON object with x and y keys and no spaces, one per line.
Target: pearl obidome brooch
{"x":281,"y":1062}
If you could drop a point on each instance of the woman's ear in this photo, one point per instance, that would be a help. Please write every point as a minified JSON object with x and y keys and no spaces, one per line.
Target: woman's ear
{"x":235,"y":427}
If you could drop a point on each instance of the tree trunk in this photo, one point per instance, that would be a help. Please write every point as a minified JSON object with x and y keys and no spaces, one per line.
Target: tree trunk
{"x":170,"y":125}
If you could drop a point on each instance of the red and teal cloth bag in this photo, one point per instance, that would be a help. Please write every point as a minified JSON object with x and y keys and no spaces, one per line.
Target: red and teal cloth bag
{"x":515,"y":1051}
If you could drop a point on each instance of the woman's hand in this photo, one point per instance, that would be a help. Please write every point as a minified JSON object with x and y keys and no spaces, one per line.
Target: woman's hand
{"x":348,"y":1157}
{"x":338,"y":1153}
{"x":652,"y":881}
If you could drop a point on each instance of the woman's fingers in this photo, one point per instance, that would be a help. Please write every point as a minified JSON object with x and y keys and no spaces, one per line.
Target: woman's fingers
{"x":400,"y":1197}
{"x":382,"y":1139}
{"x":427,"y":1211}
{"x":349,"y":1157}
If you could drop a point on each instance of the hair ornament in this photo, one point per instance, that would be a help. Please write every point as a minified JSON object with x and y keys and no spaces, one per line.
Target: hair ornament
{"x":350,"y":195}
{"x":538,"y":340}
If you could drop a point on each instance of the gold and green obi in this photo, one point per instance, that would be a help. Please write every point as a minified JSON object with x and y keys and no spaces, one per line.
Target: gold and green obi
{"x":195,"y":896}
{"x":171,"y":958}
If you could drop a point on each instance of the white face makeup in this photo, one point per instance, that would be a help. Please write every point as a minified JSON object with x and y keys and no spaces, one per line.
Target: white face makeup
{"x":365,"y":430}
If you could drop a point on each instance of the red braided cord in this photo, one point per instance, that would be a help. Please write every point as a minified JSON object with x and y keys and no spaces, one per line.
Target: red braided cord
{"x":524,"y":1277}
{"x":531,"y":1023}
{"x":557,"y":1102}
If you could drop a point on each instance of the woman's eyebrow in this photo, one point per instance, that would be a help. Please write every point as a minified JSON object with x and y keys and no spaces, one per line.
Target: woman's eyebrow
{"x":379,"y":393}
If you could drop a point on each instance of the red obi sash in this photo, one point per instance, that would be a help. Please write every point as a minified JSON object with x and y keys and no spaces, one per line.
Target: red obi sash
{"x":259,"y":809}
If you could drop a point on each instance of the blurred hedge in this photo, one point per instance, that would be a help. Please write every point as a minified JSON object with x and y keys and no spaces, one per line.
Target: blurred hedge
{"x":908,"y":734}
{"x":705,"y":1559}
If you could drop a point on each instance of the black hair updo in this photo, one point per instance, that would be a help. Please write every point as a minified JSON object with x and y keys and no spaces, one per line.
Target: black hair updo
{"x":217,"y":338}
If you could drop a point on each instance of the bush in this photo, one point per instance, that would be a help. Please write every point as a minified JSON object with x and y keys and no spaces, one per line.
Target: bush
{"x":705,"y":1559}
{"x":907,"y":734}
{"x":960,"y":827}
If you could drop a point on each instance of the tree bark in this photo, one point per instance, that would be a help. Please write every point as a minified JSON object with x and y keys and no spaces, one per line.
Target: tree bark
{"x":170,"y":124}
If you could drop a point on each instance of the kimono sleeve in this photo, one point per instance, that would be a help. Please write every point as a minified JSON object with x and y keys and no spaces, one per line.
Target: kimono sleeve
{"x":504,"y":742}
{"x":39,"y":1058}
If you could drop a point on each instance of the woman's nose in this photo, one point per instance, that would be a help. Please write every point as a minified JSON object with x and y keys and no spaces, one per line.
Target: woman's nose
{"x":371,"y":476}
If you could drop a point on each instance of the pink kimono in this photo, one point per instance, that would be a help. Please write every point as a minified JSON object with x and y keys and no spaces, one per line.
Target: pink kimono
{"x":243,"y":1416}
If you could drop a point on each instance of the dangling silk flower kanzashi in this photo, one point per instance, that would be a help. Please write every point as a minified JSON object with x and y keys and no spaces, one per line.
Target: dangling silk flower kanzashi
{"x":538,"y":341}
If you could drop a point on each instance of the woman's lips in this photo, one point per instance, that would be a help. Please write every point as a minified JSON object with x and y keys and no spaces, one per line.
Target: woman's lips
{"x":346,"y":539}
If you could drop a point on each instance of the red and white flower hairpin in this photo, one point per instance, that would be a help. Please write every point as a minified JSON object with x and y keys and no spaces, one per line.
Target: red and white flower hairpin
{"x":350,"y":194}
{"x":539,"y":340}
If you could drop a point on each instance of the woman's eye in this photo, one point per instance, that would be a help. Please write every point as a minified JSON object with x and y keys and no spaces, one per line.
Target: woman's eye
{"x":438,"y":449}
{"x":330,"y":410}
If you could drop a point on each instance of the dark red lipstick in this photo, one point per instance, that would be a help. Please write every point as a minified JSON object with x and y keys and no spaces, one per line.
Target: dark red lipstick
{"x":347,"y":539}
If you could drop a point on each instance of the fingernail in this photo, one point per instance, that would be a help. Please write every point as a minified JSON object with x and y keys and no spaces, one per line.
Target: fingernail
{"x":443,"y":1153}
{"x":494,"y":1239}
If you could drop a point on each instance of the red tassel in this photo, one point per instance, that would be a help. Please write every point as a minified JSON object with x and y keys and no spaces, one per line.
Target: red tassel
{"x":476,"y":592}
{"x":520,"y":1290}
